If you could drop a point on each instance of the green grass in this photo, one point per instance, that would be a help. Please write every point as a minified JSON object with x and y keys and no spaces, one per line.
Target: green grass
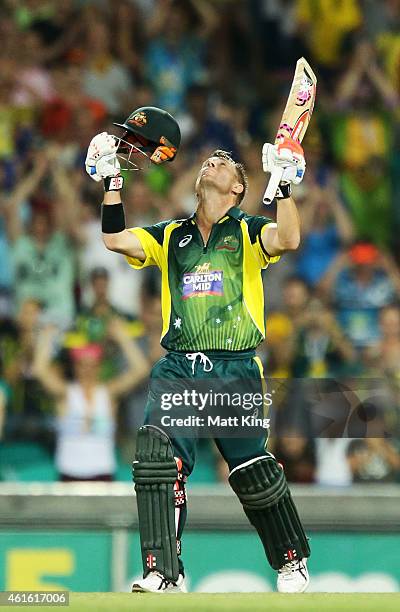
{"x":229,"y":602}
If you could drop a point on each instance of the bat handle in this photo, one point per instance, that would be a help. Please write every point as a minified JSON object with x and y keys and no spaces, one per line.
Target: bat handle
{"x":273,"y":184}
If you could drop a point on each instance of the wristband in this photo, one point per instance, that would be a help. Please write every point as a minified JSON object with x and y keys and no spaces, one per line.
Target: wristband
{"x":113,"y":183}
{"x":112,"y":218}
{"x":284,"y":191}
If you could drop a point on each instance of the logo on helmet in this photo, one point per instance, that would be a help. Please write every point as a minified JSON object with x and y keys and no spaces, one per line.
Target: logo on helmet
{"x":138,"y":119}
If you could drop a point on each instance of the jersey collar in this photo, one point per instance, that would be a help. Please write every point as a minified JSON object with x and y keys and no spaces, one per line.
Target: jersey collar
{"x":234,"y":212}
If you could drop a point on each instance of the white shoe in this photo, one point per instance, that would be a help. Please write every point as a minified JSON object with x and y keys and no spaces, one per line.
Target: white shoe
{"x":156,"y":583}
{"x":293,"y":577}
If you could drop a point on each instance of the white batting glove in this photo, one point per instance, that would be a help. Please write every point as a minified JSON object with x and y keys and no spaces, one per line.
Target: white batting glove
{"x":101,"y":160}
{"x":288,"y":155}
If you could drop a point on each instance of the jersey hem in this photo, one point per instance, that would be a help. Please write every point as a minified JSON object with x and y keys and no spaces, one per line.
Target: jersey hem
{"x":242,"y":354}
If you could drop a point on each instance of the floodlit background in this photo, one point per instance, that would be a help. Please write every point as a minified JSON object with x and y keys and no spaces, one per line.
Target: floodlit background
{"x":74,"y":314}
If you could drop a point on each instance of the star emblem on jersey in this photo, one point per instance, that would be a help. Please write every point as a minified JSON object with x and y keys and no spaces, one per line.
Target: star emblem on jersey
{"x":218,"y":320}
{"x":229,"y":341}
{"x":177,"y":323}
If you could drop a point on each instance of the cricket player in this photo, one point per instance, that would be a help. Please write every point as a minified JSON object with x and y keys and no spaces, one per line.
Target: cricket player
{"x":213,"y":320}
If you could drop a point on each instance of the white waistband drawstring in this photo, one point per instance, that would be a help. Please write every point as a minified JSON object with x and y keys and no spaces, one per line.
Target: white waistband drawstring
{"x":204,"y":360}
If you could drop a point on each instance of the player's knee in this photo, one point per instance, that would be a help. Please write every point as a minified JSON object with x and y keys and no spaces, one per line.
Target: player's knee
{"x":154,"y":458}
{"x":259,"y":483}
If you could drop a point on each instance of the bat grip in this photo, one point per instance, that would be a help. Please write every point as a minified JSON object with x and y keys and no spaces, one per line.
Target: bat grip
{"x":273,"y":184}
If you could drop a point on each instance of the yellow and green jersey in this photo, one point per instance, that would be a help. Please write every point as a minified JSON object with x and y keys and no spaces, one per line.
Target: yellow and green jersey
{"x":212,"y":294}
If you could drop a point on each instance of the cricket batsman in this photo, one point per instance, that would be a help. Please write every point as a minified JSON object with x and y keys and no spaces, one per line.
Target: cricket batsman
{"x":210,"y":329}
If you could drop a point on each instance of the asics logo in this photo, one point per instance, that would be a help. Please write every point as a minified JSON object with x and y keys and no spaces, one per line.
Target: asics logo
{"x":185,"y":240}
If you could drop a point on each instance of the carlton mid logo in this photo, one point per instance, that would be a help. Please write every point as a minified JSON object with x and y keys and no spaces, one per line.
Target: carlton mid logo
{"x":202,"y":282}
{"x":203,"y":268}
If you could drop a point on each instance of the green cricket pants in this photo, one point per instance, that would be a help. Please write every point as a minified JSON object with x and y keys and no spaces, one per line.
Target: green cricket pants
{"x":217,"y":371}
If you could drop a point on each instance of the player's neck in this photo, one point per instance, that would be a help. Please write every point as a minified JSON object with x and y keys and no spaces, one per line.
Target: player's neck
{"x":212,"y":208}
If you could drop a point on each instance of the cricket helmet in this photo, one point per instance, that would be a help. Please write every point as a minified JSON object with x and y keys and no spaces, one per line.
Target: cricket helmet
{"x":146,"y":129}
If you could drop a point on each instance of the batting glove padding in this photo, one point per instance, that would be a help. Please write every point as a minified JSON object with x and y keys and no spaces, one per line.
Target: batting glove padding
{"x":289,"y":156}
{"x":101,"y":160}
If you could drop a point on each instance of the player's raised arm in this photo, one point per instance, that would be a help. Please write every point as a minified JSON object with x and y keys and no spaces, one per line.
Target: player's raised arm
{"x":115,"y":236}
{"x":102,"y":164}
{"x":289,"y":156}
{"x":150,"y":134}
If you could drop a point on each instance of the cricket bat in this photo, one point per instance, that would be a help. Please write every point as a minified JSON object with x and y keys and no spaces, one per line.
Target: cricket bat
{"x":296,"y":116}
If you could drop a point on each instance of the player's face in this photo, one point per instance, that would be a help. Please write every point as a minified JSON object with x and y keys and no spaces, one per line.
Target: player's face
{"x":219,"y":173}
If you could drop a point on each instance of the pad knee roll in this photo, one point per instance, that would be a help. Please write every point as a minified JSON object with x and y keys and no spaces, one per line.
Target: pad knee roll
{"x":155,"y":473}
{"x":261,"y":487}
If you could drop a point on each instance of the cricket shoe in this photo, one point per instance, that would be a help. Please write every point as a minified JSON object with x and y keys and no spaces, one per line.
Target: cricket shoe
{"x":157,"y":583}
{"x":293,"y":577}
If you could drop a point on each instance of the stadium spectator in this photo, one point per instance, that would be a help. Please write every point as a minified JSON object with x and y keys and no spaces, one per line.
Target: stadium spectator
{"x":86,"y":407}
{"x":326,"y":227}
{"x":42,"y":258}
{"x":202,"y":128}
{"x":296,"y":296}
{"x":33,"y":81}
{"x":274,"y":37}
{"x":333,"y":467}
{"x":326,"y":27}
{"x":384,"y":356}
{"x":373,"y":460}
{"x":284,"y":320}
{"x":176,"y":46}
{"x":28,"y":415}
{"x":105,"y":78}
{"x":129,"y":36}
{"x":58,"y":26}
{"x":296,"y":452}
{"x":143,"y":205}
{"x":100,"y":307}
{"x":276,"y":352}
{"x":61,"y":116}
{"x":359,"y":283}
{"x":361,"y":133}
{"x":92,"y":321}
{"x":149,"y":342}
{"x":321,"y":350}
{"x":124,"y":287}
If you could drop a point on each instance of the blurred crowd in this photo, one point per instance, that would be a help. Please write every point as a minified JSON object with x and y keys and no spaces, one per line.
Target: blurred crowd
{"x":79,"y":330}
